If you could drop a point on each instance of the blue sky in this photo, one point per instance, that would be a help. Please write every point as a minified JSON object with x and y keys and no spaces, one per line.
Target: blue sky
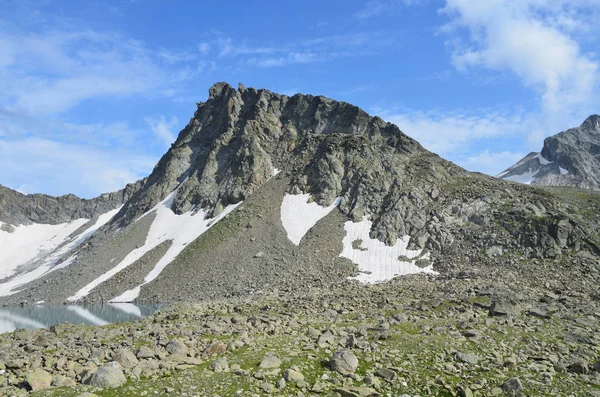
{"x":92,"y":93}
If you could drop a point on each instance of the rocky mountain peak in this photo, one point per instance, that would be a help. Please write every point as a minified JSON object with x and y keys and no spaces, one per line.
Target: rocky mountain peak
{"x":570,"y":158}
{"x":237,"y":138}
{"x":592,"y":123}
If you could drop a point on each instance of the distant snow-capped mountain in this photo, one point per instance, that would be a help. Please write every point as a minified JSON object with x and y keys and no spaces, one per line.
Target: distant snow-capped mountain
{"x":570,"y":158}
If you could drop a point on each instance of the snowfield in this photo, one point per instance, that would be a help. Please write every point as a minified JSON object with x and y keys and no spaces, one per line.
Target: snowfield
{"x":376,"y":261}
{"x":28,"y":247}
{"x":29,"y":242}
{"x":180,"y":229}
{"x":298,"y":216}
{"x":525,"y":178}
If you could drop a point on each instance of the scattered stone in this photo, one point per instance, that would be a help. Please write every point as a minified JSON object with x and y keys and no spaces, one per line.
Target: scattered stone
{"x":502,"y":308}
{"x":220,"y":365}
{"x":176,"y":347}
{"x":293,"y":376}
{"x":512,"y":386}
{"x":361,"y":391}
{"x":215,"y":348}
{"x":344,"y":362}
{"x":269,"y":362}
{"x":579,"y":367}
{"x":145,"y":352}
{"x":469,"y":358}
{"x":125,"y":357}
{"x":108,"y":376}
{"x":386,"y":374}
{"x":39,"y":379}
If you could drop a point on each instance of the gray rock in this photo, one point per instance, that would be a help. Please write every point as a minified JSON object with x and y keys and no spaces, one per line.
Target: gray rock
{"x":512,"y":386}
{"x":269,"y":362}
{"x":469,"y":358}
{"x":386,"y":374}
{"x":176,"y":347}
{"x":502,"y":308}
{"x":220,"y":365}
{"x":126,"y":358}
{"x":579,"y":367}
{"x":39,"y":379}
{"x":145,"y":352}
{"x":361,"y":391}
{"x":344,"y":362}
{"x":108,"y":376}
{"x":294,"y":376}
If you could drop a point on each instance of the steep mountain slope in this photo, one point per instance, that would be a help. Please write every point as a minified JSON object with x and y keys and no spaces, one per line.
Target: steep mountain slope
{"x":570,"y":158}
{"x":37,"y":231}
{"x":263,"y":191}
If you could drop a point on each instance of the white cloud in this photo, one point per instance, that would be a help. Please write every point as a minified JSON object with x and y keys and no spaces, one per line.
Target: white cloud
{"x":50,"y":72}
{"x":450,"y":133}
{"x":534,"y":39}
{"x":163,"y":128}
{"x":490,"y":163}
{"x":374,"y":8}
{"x":319,"y":49}
{"x":54,"y":167}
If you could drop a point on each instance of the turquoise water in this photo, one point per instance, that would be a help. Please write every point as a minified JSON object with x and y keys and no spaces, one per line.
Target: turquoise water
{"x":42,"y":316}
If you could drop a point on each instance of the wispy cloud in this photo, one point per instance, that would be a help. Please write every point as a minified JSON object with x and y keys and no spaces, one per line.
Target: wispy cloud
{"x":534,"y":39}
{"x":55,"y":167}
{"x":163,"y":128}
{"x":452,"y":133}
{"x":488,"y":162}
{"x":52,"y":71}
{"x":375,"y":8}
{"x":304,"y":51}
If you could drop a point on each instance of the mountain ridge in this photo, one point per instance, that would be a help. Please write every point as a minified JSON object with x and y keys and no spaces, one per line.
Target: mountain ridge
{"x":211,"y":220}
{"x":569,"y":158}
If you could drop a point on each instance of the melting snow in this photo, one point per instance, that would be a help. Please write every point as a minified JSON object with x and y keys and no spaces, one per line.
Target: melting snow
{"x":525,"y":178}
{"x":11,"y":287}
{"x":28,"y":242}
{"x":298,"y":216}
{"x":542,"y":160}
{"x":180,"y":229}
{"x":563,"y":171}
{"x":376,"y":261}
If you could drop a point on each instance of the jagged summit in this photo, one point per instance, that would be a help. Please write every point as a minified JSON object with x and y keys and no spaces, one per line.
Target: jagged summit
{"x":264,"y":191}
{"x":592,"y":123}
{"x":25,"y":209}
{"x":570,"y":158}
{"x":237,"y":138}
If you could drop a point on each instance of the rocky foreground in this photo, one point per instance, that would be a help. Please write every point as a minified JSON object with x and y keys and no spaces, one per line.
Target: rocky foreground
{"x":529,"y":329}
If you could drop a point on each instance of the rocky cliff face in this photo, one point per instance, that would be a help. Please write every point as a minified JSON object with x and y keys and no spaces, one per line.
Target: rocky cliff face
{"x":229,"y":152}
{"x":570,"y":158}
{"x":20,"y":209}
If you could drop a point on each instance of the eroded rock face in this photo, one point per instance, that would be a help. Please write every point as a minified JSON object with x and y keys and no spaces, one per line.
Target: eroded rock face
{"x":20,"y":209}
{"x":570,"y":158}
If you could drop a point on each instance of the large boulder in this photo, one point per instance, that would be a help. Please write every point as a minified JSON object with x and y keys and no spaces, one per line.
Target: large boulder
{"x":39,"y":380}
{"x":344,"y":362}
{"x":108,"y":376}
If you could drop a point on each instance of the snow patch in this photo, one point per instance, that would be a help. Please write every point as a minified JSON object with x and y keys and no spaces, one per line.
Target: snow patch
{"x":563,"y":171}
{"x":525,"y":178}
{"x":29,"y":242}
{"x":376,"y":261}
{"x":542,"y":160}
{"x":298,"y":216}
{"x":180,"y":229}
{"x":49,"y":265}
